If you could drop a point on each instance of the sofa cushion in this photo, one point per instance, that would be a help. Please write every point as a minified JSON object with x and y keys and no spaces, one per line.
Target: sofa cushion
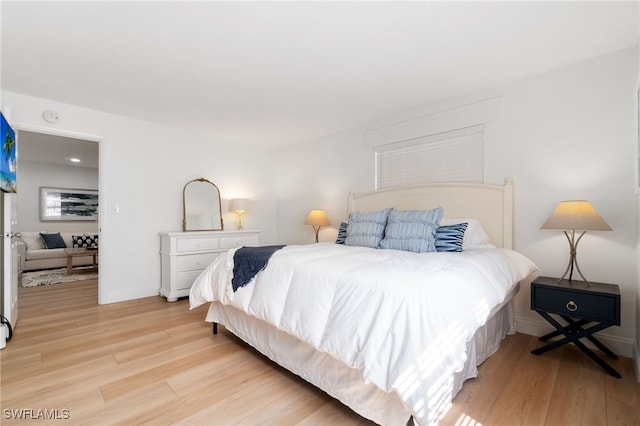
{"x":46,"y":254}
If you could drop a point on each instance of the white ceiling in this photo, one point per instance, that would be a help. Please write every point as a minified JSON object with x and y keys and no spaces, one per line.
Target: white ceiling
{"x":275,"y":73}
{"x":50,"y":149}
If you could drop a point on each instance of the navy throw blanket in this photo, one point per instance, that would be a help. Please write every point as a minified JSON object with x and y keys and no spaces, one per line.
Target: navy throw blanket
{"x":248,"y":261}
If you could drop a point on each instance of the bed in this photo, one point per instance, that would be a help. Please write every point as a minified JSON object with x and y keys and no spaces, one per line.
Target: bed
{"x":391,"y":333}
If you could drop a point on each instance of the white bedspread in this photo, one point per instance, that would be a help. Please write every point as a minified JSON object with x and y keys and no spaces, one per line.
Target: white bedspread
{"x":401,"y":318}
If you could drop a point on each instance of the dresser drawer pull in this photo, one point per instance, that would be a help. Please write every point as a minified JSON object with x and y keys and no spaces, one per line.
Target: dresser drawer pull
{"x":572,"y":306}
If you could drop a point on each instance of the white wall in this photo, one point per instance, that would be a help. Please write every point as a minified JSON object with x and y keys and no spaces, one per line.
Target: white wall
{"x":565,"y":134}
{"x":143,"y":168}
{"x":320,"y":175}
{"x":575,"y":139}
{"x":32,"y":176}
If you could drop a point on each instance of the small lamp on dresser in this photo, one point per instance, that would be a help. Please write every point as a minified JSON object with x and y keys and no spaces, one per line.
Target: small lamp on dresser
{"x":317,"y":219}
{"x":239,"y":206}
{"x":572,"y":216}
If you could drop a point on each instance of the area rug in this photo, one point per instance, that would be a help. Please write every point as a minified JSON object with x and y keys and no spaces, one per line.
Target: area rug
{"x":54,"y":276}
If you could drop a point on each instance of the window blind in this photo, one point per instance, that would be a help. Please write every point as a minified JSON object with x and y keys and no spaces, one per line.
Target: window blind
{"x":454,"y":156}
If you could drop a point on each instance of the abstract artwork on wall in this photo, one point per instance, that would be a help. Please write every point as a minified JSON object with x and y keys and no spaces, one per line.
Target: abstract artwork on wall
{"x":7,"y":157}
{"x":68,"y":204}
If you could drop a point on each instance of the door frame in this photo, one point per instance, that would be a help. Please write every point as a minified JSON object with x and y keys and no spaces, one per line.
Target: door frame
{"x":9,"y":259}
{"x":102,"y":297}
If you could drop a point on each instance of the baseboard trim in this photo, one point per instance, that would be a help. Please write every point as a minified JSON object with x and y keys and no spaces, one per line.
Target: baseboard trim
{"x":619,"y":345}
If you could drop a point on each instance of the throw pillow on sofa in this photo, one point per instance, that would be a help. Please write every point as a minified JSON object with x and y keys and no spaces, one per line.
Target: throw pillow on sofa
{"x":33,"y":241}
{"x":85,"y":241}
{"x":53,"y":241}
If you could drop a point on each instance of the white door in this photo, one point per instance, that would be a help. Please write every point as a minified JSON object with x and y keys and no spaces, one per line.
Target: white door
{"x":9,"y":258}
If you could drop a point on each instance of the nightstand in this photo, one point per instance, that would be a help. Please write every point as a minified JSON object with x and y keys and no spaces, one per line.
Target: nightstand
{"x":578,"y":304}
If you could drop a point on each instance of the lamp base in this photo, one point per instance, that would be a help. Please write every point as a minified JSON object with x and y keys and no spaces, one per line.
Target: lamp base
{"x":240,"y":224}
{"x":573,"y":260}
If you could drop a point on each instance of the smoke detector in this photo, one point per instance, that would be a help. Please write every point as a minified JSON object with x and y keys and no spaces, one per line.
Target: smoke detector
{"x":50,"y":116}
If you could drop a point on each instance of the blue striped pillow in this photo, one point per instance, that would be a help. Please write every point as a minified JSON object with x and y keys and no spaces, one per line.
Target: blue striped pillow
{"x":449,"y":237}
{"x":366,"y":229}
{"x":342,"y":233}
{"x":412,"y":230}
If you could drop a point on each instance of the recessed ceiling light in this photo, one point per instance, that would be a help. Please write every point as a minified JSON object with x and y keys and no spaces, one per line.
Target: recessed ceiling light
{"x":74,"y":160}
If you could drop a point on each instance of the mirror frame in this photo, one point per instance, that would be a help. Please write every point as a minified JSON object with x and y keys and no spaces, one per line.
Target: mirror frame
{"x":184,"y":206}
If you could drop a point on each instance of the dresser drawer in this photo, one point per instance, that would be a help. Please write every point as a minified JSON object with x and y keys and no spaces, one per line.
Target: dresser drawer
{"x":184,"y":280}
{"x":196,"y":244}
{"x":238,"y":240}
{"x":576,"y":303}
{"x":194,"y":261}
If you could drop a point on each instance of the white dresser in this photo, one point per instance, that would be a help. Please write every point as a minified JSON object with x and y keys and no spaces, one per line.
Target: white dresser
{"x":185,"y":254}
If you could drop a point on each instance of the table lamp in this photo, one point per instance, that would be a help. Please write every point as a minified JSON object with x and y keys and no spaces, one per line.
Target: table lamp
{"x":317,"y":218}
{"x":572,"y":216}
{"x":239,"y":206}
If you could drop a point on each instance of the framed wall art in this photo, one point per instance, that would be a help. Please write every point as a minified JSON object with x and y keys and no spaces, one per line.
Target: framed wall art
{"x":7,"y":156}
{"x":68,"y":204}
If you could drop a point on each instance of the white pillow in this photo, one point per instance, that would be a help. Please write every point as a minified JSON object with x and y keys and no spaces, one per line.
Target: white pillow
{"x":33,"y":241}
{"x":474,"y":237}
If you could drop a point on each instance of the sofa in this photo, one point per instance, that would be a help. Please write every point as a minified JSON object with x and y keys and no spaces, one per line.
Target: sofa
{"x":35,"y":255}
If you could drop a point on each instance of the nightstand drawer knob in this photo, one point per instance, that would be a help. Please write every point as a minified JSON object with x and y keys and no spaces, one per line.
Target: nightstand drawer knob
{"x":572,"y":306}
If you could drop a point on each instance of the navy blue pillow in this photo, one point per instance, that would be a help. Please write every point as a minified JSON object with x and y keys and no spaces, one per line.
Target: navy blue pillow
{"x":342,"y":233}
{"x":449,"y":237}
{"x":53,"y":241}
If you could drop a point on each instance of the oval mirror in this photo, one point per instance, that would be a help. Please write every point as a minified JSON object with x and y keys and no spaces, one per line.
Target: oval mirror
{"x":201,"y":205}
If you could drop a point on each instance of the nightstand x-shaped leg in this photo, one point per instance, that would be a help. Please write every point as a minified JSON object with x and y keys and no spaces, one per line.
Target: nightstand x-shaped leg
{"x":573,"y":332}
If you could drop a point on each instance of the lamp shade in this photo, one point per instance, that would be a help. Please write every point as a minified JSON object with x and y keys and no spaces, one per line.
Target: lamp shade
{"x":239,"y":205}
{"x":576,"y":215}
{"x":317,"y":218}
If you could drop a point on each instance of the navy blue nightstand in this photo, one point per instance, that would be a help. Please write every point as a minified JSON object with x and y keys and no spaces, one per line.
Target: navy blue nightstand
{"x":578,"y":304}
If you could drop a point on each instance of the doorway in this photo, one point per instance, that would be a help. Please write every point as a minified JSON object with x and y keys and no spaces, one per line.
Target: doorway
{"x":48,"y":160}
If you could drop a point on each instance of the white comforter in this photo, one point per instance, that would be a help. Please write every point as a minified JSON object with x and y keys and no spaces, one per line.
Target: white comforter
{"x":401,"y":318}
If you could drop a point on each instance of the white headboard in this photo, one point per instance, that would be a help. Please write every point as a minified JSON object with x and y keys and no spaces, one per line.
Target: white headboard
{"x":491,"y":205}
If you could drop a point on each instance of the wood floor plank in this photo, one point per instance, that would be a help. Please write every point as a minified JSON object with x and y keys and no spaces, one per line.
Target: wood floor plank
{"x":335,"y":414}
{"x":223,"y":398}
{"x":622,"y":396}
{"x":245,"y":403}
{"x":148,"y":361}
{"x":164,"y":366}
{"x":118,"y":412}
{"x":54,"y":387}
{"x":533,"y":385}
{"x":220,"y":368}
{"x":578,"y":385}
{"x":476,"y":398}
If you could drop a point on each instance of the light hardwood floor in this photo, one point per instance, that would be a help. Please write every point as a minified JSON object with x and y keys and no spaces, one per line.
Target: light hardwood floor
{"x":152,"y":362}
